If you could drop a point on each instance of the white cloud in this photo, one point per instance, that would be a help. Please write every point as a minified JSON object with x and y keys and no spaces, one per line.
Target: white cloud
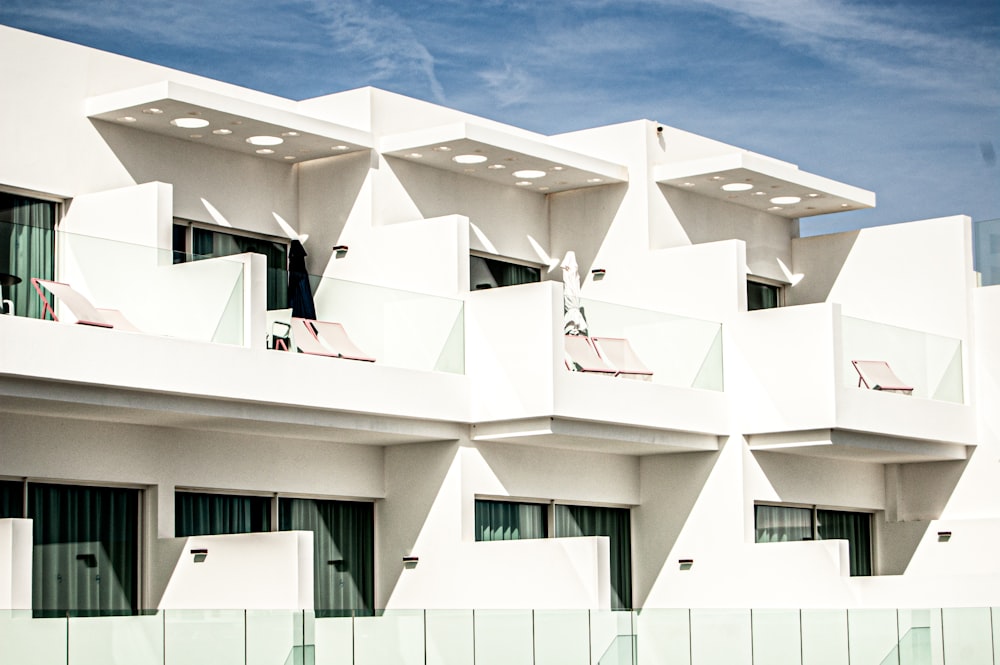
{"x":380,"y":38}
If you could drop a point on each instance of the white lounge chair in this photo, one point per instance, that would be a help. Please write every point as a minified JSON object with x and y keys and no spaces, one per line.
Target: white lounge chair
{"x":582,"y":356}
{"x":85,"y":312}
{"x":326,"y":338}
{"x":618,"y":353}
{"x":877,"y":375}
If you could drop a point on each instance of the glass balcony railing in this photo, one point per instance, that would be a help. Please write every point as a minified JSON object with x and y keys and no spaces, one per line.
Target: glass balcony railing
{"x":931,"y":364}
{"x":950,"y":636}
{"x":680,"y":351}
{"x":398,"y":328}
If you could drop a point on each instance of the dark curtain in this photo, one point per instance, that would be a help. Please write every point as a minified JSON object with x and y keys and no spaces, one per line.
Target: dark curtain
{"x":27,"y":249}
{"x":610,"y":522}
{"x":11,"y":498}
{"x":343,"y":552}
{"x":300,"y":296}
{"x":856,"y":529}
{"x":508,"y":520}
{"x":85,"y":550}
{"x":197,"y":514}
{"x":779,"y":524}
{"x":209,"y":244}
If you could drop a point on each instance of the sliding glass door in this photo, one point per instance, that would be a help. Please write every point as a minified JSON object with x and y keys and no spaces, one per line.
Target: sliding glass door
{"x":86,"y":550}
{"x":27,"y":249}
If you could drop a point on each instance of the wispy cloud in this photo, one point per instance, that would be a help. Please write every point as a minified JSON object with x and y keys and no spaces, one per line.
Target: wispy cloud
{"x":381,"y":38}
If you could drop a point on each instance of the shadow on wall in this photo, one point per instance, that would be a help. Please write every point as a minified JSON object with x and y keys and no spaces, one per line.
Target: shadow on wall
{"x":580,"y":220}
{"x":328,"y":192}
{"x":671,"y":486}
{"x":414,"y":479}
{"x":820,"y":259}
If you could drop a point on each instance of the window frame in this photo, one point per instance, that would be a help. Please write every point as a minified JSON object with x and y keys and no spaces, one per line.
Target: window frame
{"x":778,"y":286}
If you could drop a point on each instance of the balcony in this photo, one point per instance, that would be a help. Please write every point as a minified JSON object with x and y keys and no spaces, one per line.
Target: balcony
{"x":802,"y":395}
{"x":517,"y":366}
{"x":201,"y":358}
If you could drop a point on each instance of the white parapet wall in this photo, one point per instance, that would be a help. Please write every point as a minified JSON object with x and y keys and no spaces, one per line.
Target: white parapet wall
{"x":15,"y":564}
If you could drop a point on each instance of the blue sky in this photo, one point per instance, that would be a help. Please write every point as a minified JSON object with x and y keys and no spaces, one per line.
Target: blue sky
{"x":899,"y":97}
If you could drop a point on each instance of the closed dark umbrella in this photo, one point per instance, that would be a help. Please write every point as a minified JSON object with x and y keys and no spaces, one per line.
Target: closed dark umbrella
{"x":300,"y":296}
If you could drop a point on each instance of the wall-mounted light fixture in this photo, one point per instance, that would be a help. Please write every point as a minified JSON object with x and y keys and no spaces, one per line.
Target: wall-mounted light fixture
{"x":340,"y":251}
{"x":685,"y":564}
{"x":410,"y":561}
{"x":199,"y":555}
{"x":944,"y":536}
{"x":598,"y":274}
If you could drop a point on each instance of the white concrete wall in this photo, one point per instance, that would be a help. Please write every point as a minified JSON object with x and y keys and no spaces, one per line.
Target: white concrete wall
{"x":15,"y":564}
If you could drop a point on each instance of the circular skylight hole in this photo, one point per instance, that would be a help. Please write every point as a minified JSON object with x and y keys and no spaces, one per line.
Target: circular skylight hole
{"x":529,"y":173}
{"x":189,"y":123}
{"x":785,"y":200}
{"x":265,"y":140}
{"x":737,"y":186}
{"x":469,"y":159}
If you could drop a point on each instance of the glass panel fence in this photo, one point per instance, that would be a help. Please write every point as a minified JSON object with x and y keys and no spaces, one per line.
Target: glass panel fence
{"x":954,"y":636}
{"x":930,"y":364}
{"x":398,"y":328}
{"x":680,"y":351}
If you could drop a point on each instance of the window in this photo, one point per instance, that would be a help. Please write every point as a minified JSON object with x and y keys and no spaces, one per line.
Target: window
{"x":343,"y":552}
{"x":487,"y":273}
{"x":27,"y":248}
{"x":573,"y":521}
{"x":201,"y":514}
{"x":192,"y":243}
{"x":789,"y":523}
{"x":762,"y":296}
{"x":11,"y":499}
{"x":86,"y":550}
{"x":511,"y":520}
{"x":508,"y":520}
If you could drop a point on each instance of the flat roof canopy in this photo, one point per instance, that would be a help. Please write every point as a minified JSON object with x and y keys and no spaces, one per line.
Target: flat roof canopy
{"x":505,"y":158}
{"x":290,"y":137}
{"x":764,"y":184}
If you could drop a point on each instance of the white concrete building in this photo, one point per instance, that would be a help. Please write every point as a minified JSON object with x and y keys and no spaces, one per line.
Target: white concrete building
{"x":724,"y":472}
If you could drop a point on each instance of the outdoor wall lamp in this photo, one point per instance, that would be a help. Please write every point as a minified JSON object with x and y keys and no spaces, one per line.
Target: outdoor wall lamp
{"x":944,"y":536}
{"x":598,"y":273}
{"x":410,"y":561}
{"x":685,"y":564}
{"x":340,"y":251}
{"x":199,"y":555}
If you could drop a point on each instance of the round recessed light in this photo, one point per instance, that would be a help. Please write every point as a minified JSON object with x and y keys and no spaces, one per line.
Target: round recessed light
{"x":289,"y":156}
{"x":543,"y":189}
{"x":340,"y":147}
{"x":222,"y":132}
{"x":813,"y":195}
{"x":558,"y":168}
{"x":737,"y":186}
{"x":523,"y":183}
{"x":289,"y":133}
{"x":595,"y":180}
{"x":189,"y":123}
{"x":717,"y":177}
{"x":775,"y":208}
{"x":469,"y":159}
{"x":413,"y":155}
{"x":496,"y":167}
{"x":153,"y":111}
{"x":785,"y":200}
{"x":196,"y":136}
{"x":687,"y":184}
{"x":265,"y":140}
{"x":529,"y":173}
{"x":442,"y":148}
{"x":759,"y":193}
{"x":126,"y":118}
{"x":265,"y":151}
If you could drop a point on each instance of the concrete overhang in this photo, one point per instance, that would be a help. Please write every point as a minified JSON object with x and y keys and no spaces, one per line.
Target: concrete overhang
{"x":570,"y":434}
{"x":231,"y":122}
{"x":764,"y":179}
{"x":501,"y":155}
{"x":857,"y":446}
